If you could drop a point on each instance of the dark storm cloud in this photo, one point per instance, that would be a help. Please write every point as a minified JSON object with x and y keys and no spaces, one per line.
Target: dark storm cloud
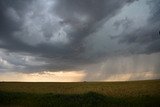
{"x":92,"y":12}
{"x":56,"y":32}
{"x":81,"y":16}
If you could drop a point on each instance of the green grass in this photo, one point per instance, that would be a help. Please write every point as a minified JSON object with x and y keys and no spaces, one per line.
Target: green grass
{"x":80,"y":94}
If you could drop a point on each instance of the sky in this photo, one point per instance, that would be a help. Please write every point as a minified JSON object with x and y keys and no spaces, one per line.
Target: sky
{"x":79,"y":40}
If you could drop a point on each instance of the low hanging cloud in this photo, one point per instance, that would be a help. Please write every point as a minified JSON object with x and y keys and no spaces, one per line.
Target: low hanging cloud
{"x":71,"y":35}
{"x":11,"y":61}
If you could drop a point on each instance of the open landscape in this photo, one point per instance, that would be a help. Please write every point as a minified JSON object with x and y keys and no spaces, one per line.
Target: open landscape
{"x":80,"y":94}
{"x":79,"y":53}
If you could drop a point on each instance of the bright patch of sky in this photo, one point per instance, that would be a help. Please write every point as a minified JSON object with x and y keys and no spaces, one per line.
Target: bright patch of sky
{"x":131,"y":17}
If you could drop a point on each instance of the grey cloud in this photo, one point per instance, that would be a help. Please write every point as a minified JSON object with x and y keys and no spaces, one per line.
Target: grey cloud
{"x":87,"y":12}
{"x":125,"y":23}
{"x":126,"y":35}
{"x":147,"y":36}
{"x":32,"y":26}
{"x":11,"y":61}
{"x":71,"y":34}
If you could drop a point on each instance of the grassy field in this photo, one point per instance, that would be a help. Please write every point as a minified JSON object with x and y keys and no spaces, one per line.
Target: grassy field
{"x":80,"y":94}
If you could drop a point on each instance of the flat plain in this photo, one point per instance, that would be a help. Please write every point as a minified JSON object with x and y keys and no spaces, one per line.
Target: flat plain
{"x":80,"y":94}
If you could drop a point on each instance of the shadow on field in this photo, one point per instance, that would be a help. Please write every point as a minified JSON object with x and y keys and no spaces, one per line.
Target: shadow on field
{"x":90,"y":99}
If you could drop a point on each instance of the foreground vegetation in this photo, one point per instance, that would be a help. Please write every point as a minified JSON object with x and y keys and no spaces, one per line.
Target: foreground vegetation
{"x":80,"y":94}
